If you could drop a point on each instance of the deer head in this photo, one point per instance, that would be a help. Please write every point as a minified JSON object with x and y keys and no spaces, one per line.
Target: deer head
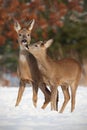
{"x":39,"y":48}
{"x":24,"y":34}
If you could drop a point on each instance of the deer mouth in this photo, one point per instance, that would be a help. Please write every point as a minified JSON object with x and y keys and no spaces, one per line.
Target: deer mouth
{"x":27,"y":46}
{"x":24,"y":41}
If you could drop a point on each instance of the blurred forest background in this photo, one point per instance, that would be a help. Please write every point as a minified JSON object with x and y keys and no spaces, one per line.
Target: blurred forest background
{"x":63,"y":20}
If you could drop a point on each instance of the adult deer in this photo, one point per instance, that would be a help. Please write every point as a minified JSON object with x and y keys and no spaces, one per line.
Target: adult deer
{"x":64,"y":73}
{"x":28,"y":71}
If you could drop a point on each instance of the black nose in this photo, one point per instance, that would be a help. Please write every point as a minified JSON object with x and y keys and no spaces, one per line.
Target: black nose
{"x":24,"y":40}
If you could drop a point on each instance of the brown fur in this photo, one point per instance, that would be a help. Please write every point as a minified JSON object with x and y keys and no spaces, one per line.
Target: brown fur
{"x":28,"y":71}
{"x":64,"y":73}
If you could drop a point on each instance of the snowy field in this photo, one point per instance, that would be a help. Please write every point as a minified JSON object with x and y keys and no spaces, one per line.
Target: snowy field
{"x":26,"y":117}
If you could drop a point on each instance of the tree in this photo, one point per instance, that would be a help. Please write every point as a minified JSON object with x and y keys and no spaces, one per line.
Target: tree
{"x":57,"y":19}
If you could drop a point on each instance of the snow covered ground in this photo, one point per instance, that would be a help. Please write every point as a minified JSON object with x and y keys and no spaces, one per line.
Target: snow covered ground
{"x":26,"y":117}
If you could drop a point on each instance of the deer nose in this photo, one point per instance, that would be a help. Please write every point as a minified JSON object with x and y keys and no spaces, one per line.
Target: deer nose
{"x":24,"y":40}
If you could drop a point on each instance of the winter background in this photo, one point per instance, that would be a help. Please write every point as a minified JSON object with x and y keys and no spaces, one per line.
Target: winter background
{"x":26,"y":117}
{"x":66,"y":22}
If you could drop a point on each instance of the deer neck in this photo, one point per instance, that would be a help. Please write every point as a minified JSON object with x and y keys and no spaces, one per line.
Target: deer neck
{"x":22,"y":54}
{"x":44,"y":63}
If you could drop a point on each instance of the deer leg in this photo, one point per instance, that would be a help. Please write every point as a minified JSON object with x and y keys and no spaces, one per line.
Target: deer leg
{"x":57,"y":99}
{"x":66,"y":97}
{"x":47,"y":95}
{"x":53,"y":98}
{"x":35,"y":93}
{"x":73,"y":95}
{"x":20,"y":92}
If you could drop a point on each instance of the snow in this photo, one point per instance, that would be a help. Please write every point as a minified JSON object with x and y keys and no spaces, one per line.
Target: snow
{"x":26,"y":117}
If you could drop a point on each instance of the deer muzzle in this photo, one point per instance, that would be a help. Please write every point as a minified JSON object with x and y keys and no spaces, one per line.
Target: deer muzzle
{"x":24,"y":41}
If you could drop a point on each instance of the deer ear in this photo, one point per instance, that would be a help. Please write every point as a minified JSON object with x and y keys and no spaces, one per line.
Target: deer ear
{"x":31,"y":24}
{"x":48,"y":43}
{"x":17,"y":26}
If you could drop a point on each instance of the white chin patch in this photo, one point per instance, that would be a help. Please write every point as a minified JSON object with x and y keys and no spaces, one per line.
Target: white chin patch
{"x":24,"y":43}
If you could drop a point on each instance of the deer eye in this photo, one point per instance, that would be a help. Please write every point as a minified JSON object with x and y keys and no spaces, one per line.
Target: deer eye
{"x":28,"y":35}
{"x":36,"y":46}
{"x":19,"y":34}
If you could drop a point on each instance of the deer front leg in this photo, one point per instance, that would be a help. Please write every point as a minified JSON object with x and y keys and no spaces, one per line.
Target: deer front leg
{"x":47,"y":95}
{"x":35,"y":93}
{"x":65,"y":90}
{"x":57,"y":99}
{"x":53,"y":98}
{"x":20,"y":92}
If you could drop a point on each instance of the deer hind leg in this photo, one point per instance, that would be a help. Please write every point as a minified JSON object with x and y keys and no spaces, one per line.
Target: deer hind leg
{"x":73,"y":95}
{"x":47,"y":95}
{"x":35,"y":93}
{"x":66,"y":97}
{"x":20,"y":92}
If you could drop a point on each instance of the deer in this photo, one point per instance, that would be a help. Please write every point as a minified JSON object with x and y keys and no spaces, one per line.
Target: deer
{"x":27,"y":69}
{"x":64,"y":72}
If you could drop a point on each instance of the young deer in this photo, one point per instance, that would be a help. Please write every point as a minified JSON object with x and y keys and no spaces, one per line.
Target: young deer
{"x":64,"y":73}
{"x":28,"y":71}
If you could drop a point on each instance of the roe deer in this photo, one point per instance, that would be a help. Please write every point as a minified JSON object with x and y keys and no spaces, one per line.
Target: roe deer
{"x":64,"y":73}
{"x":28,"y":71}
